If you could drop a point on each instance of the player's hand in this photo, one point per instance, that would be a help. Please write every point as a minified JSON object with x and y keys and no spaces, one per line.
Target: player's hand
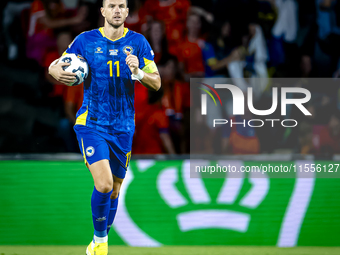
{"x":57,"y":72}
{"x":132,"y":62}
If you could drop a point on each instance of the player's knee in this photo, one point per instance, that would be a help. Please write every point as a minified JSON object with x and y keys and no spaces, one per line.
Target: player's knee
{"x":114,"y":194}
{"x":104,"y":187}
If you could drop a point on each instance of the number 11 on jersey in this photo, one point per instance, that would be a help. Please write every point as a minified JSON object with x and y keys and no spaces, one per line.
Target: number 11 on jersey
{"x":111,"y":67}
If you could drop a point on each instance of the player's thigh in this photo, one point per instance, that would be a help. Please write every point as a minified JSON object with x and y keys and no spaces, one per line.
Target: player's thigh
{"x":102,"y":176}
{"x":96,"y":154}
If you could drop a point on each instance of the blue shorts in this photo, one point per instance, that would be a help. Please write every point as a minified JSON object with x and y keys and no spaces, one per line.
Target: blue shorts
{"x":96,"y":145}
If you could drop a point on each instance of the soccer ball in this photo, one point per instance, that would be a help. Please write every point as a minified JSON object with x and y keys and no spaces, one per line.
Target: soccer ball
{"x":78,"y":66}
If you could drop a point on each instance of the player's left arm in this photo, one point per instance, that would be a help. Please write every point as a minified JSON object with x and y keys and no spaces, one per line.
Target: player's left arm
{"x":148,"y":75}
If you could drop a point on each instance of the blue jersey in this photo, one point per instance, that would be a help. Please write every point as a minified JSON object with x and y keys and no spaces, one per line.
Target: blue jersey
{"x":108,"y":104}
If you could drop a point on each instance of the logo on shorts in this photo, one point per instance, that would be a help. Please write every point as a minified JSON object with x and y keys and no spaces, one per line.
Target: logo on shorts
{"x":90,"y":151}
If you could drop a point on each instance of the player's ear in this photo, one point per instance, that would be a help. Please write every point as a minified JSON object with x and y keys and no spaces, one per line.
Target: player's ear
{"x":127,"y":10}
{"x":102,"y":11}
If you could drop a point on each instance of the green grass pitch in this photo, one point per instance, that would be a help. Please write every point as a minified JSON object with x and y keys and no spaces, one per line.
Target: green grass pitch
{"x":172,"y":250}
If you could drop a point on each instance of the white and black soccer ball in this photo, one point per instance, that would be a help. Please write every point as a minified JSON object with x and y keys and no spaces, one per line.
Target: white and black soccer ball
{"x":78,"y":66}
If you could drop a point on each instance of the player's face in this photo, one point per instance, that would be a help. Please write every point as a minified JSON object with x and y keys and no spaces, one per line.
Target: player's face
{"x":115,"y":12}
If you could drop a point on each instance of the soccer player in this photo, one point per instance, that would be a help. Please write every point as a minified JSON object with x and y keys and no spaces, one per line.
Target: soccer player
{"x":105,"y":122}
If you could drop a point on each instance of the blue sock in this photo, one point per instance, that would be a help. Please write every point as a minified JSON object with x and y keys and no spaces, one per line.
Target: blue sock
{"x":100,"y":204}
{"x":112,"y":213}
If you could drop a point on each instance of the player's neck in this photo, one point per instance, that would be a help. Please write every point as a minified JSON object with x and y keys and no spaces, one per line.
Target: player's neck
{"x":113,"y":33}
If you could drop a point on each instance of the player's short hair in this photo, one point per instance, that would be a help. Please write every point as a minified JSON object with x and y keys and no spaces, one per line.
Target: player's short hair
{"x":125,"y":0}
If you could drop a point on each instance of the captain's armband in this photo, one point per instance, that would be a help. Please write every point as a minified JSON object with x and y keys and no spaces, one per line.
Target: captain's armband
{"x":150,"y":67}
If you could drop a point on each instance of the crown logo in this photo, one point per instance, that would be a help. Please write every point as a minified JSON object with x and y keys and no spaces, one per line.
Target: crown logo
{"x":229,"y":194}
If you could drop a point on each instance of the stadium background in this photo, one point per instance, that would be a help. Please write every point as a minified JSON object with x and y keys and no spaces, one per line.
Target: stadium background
{"x":217,"y":38}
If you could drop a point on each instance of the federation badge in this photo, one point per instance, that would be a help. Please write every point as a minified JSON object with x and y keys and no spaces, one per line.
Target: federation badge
{"x":128,"y":49}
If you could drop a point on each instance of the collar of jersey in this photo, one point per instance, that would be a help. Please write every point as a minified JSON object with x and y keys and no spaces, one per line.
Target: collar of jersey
{"x":101,"y":30}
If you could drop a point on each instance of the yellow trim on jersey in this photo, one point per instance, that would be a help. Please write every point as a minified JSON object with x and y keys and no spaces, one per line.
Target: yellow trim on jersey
{"x":150,"y":66}
{"x":64,"y":53}
{"x":147,"y":61}
{"x":81,"y":120}
{"x":82,"y":145}
{"x":101,"y":30}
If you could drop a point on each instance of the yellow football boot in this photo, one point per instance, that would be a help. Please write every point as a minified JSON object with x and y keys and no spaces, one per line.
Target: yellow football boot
{"x":89,"y":249}
{"x":101,"y":249}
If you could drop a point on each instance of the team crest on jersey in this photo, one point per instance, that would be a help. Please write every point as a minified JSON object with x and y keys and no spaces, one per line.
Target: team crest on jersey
{"x":128,"y":49}
{"x":90,"y":151}
{"x":98,"y":50}
{"x":114,"y":52}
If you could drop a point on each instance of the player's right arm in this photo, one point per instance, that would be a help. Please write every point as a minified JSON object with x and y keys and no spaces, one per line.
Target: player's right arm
{"x":57,"y":72}
{"x":56,"y":69}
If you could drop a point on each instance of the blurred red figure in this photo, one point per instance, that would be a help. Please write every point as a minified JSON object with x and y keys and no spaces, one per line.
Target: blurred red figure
{"x":240,"y":139}
{"x":72,"y":97}
{"x":157,"y":38}
{"x":152,"y":125}
{"x":176,"y":96}
{"x":189,"y":52}
{"x":327,"y":141}
{"x":174,"y":15}
{"x":137,"y":16}
{"x":45,"y":17}
{"x":63,"y":40}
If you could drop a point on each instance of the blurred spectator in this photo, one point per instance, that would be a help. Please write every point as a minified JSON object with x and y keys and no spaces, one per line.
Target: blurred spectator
{"x":158,"y":42}
{"x":306,"y":138}
{"x":137,"y":16}
{"x":240,"y":138}
{"x":286,"y":25}
{"x":223,"y":46}
{"x":45,"y":17}
{"x":176,"y":101}
{"x":293,"y":38}
{"x":174,"y":15}
{"x":328,"y":21}
{"x":266,"y":15}
{"x":12,"y":12}
{"x":251,"y":59}
{"x":189,"y":52}
{"x":327,"y":140}
{"x":209,"y":17}
{"x":176,"y":92}
{"x":152,"y":128}
{"x":71,"y":98}
{"x":63,"y":40}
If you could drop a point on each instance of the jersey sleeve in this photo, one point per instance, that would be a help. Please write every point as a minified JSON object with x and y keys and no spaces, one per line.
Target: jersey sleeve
{"x":76,"y":46}
{"x":146,"y":57}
